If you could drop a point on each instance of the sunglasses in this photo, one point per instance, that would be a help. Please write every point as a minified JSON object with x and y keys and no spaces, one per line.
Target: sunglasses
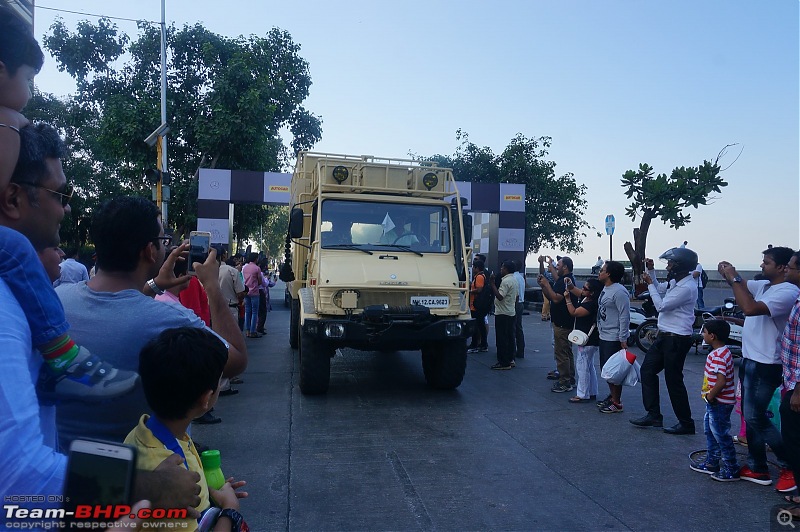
{"x":65,"y":196}
{"x":164,"y":240}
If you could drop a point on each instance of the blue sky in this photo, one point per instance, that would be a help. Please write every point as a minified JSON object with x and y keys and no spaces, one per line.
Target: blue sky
{"x":614,"y":83}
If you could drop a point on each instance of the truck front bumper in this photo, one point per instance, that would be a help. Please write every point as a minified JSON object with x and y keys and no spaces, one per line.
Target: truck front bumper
{"x":393,"y":334}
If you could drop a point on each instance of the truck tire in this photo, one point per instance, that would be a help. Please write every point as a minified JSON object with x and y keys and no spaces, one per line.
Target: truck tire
{"x":294,"y":323}
{"x":444,"y":363}
{"x":315,"y":366}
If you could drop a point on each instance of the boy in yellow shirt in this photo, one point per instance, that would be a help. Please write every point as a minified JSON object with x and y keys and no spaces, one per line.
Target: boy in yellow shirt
{"x":180,"y":371}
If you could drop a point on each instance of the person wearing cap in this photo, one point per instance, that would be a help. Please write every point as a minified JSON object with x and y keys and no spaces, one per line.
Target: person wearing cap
{"x":674,"y":300}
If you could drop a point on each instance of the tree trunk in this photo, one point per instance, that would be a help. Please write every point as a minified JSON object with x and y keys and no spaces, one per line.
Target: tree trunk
{"x":637,"y":253}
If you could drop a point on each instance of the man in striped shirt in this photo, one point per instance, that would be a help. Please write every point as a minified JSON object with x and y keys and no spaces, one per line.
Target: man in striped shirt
{"x":790,"y":358}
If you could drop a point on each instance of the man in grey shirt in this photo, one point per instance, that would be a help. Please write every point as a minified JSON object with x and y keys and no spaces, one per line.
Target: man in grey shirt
{"x":613,"y":323}
{"x":109,"y":314}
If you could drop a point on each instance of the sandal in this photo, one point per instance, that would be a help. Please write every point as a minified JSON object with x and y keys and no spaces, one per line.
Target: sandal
{"x":577,"y":399}
{"x":740,"y":441}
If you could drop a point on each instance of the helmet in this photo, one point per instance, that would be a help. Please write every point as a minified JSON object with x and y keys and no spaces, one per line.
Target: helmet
{"x":684,"y":260}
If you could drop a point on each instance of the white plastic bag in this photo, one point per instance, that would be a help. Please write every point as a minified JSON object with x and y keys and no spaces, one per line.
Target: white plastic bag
{"x":634,"y":374}
{"x":622,"y":368}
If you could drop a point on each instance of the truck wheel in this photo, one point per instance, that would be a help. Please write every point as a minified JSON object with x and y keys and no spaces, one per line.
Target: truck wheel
{"x":444,"y":363}
{"x":294,"y":323}
{"x":646,"y":334}
{"x":315,"y":366}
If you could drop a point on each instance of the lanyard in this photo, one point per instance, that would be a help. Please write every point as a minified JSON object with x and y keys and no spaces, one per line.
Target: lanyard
{"x":163,"y":434}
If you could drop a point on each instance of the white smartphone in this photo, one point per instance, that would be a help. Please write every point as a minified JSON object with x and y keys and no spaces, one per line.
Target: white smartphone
{"x":99,"y":473}
{"x":199,"y":246}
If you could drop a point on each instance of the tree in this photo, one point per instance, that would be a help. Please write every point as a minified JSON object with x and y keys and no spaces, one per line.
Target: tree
{"x":666,"y":197}
{"x":228,"y":99}
{"x":554,"y":206}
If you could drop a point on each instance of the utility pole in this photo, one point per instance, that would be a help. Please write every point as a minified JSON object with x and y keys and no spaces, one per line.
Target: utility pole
{"x":162,"y":139}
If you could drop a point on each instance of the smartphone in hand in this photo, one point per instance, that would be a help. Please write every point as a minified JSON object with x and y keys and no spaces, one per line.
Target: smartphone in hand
{"x":99,"y":474}
{"x":199,"y":246}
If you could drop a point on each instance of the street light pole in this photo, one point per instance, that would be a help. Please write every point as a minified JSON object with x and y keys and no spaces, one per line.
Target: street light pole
{"x":162,"y":163}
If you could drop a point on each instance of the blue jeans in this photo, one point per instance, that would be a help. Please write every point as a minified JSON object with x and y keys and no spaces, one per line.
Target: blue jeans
{"x":250,"y":313}
{"x":759,"y":382}
{"x":717,"y":428}
{"x":24,"y":274}
{"x":700,"y":302}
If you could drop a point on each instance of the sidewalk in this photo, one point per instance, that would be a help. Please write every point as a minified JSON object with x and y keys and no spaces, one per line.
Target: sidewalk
{"x":382,"y":451}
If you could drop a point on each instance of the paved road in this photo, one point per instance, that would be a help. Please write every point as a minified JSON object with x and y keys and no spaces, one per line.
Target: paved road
{"x":381,"y":451}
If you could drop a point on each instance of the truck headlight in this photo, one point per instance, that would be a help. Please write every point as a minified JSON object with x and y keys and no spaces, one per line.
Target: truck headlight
{"x":453,"y":328}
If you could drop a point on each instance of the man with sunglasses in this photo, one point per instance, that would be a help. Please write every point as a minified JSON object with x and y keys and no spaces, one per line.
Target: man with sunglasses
{"x":33,"y":205}
{"x":31,"y":209}
{"x":111,"y":314}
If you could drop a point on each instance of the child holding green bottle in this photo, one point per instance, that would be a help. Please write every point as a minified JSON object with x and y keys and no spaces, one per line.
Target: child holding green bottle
{"x":180,"y":371}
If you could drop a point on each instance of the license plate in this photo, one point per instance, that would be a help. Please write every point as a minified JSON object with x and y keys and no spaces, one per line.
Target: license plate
{"x":431,"y":301}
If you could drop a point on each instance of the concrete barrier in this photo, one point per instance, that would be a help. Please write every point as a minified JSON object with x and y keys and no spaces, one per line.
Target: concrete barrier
{"x":715,"y":280}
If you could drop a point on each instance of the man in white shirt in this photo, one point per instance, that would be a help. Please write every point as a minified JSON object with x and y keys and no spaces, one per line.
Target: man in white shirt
{"x":519,"y":335}
{"x":766,"y":304}
{"x":675,"y":301}
{"x":72,"y":271}
{"x":697,"y":274}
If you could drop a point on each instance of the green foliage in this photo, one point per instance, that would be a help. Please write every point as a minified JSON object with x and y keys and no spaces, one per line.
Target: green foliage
{"x":554,"y":206}
{"x":666,"y":197}
{"x":228,"y":99}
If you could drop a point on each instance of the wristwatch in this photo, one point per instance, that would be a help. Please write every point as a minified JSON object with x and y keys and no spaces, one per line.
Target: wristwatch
{"x":236,"y":519}
{"x":154,"y":287}
{"x":737,"y":279}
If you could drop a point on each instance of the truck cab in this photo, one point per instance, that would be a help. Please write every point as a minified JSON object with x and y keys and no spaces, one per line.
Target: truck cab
{"x":377,"y":261}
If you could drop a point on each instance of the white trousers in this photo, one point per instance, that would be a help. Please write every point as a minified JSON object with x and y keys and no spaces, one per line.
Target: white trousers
{"x":586,"y":362}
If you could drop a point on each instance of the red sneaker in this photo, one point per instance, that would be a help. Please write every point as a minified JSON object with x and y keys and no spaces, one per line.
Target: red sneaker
{"x":745,"y":473}
{"x":786,"y":482}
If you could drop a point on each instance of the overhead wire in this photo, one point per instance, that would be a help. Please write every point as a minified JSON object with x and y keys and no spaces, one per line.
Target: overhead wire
{"x":95,"y":14}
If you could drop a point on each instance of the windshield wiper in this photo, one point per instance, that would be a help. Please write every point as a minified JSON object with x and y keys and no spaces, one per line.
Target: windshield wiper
{"x":402,"y":248}
{"x":347,"y":246}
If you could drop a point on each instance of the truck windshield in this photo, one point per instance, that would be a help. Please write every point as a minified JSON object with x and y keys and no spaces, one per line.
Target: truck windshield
{"x":382,"y":226}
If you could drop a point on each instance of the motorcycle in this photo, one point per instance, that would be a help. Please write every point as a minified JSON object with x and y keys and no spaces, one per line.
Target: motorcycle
{"x":640,"y":316}
{"x":647,"y":331}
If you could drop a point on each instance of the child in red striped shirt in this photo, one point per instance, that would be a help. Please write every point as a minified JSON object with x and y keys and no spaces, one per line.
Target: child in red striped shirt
{"x":718,"y":393}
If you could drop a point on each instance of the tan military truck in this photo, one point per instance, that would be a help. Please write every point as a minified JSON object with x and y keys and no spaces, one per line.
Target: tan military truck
{"x":376,"y":260}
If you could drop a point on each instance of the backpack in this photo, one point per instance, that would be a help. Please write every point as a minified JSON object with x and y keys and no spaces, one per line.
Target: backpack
{"x":703,"y":279}
{"x":484,"y":298}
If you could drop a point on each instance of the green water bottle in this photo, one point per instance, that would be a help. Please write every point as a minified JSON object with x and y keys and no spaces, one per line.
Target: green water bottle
{"x":211,"y":462}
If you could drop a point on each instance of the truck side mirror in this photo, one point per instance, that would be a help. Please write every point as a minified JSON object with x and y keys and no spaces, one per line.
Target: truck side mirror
{"x":296,"y":223}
